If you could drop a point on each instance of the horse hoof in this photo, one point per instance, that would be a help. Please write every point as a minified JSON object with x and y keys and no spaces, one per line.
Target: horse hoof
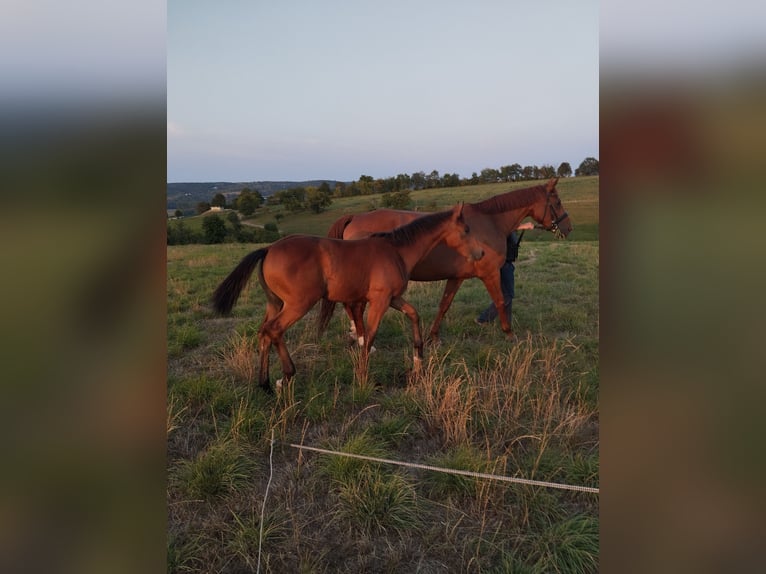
{"x":267,"y":389}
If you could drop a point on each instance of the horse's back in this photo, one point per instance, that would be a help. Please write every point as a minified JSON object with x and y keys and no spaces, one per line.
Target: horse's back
{"x":365,"y":224}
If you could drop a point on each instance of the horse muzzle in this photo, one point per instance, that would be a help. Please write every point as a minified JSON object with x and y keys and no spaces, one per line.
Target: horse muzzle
{"x":562,"y":226}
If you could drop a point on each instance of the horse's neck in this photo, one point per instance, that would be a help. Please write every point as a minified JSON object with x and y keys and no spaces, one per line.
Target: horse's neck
{"x":412,"y":254}
{"x":508,"y":221}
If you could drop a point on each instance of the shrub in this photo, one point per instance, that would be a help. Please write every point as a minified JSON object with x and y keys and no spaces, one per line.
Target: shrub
{"x":378,"y":502}
{"x":221,"y":469}
{"x":569,"y":545}
{"x":345,"y":470}
{"x":214,"y":228}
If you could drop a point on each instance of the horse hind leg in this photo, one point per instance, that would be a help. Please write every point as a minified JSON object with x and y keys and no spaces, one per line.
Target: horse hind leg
{"x":450,"y":289}
{"x":264,"y":345}
{"x":267,"y":337}
{"x":276,"y":329}
{"x":288,"y":367}
{"x":264,"y":348}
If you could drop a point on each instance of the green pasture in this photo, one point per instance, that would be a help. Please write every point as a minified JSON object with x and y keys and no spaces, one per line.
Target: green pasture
{"x":526,"y":407}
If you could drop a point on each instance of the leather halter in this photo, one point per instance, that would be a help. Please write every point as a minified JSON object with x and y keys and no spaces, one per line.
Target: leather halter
{"x":554,"y":223}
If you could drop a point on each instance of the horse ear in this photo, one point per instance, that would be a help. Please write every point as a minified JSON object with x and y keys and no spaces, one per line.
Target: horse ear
{"x":552,"y":184}
{"x":458,"y":210}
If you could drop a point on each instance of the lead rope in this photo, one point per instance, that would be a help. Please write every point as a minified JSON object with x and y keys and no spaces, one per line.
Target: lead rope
{"x":453,"y":471}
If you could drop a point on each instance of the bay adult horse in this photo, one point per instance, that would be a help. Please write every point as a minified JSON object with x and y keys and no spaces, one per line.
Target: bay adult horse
{"x":299,"y":270}
{"x":491,"y":221}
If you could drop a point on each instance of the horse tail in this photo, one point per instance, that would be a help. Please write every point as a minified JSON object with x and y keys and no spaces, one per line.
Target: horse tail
{"x":337,"y":228}
{"x":228,"y":291}
{"x":325,"y":314}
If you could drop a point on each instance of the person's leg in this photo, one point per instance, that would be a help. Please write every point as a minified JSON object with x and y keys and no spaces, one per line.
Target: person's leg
{"x":488,"y":315}
{"x":507,"y":273}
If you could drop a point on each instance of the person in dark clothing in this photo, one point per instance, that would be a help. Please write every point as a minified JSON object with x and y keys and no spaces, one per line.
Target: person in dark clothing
{"x":506,"y":277}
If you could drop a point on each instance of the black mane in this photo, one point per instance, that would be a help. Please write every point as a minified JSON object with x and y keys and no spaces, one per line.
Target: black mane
{"x":409,"y":233}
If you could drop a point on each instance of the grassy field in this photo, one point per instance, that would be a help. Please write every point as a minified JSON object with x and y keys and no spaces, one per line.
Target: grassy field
{"x":527,"y":408}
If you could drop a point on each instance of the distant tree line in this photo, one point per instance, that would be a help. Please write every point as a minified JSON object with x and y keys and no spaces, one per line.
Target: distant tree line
{"x":367,"y":185}
{"x":217,"y":229}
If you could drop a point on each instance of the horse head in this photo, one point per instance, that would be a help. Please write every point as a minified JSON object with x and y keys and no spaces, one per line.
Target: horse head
{"x":460,"y":237}
{"x":552,"y":216}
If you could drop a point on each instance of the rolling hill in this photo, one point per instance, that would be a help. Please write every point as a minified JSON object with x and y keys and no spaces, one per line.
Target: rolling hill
{"x":186,"y":195}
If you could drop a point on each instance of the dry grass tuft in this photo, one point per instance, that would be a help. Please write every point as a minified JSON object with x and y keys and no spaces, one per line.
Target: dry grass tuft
{"x":363,"y":385}
{"x":174,"y":414}
{"x":240,"y":357}
{"x":446,"y":400}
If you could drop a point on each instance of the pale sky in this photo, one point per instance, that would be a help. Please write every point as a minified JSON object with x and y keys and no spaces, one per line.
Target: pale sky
{"x":300,"y":89}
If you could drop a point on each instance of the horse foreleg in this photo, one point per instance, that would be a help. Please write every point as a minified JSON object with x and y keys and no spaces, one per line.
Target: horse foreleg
{"x":374,"y":316}
{"x":400,"y":304}
{"x":356,"y":312}
{"x":449,"y":294}
{"x":352,"y":330}
{"x":492,"y":283}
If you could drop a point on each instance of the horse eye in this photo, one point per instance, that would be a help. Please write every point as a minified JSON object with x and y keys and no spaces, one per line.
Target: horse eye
{"x":467,"y":229}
